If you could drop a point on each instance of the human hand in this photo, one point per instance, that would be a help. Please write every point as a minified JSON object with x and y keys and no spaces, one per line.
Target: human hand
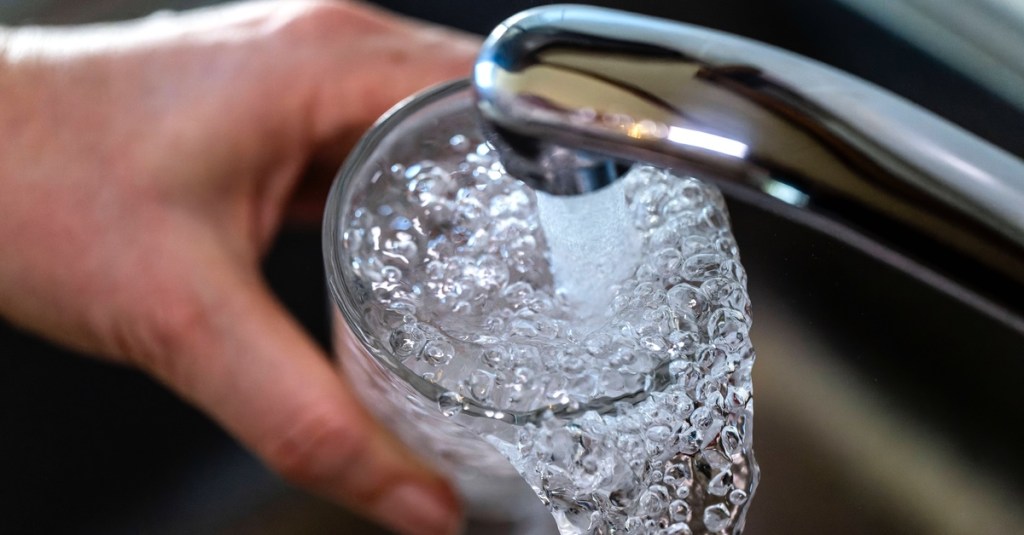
{"x":145,"y":168}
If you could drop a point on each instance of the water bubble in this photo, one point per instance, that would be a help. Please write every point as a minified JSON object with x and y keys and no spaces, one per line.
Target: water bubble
{"x":429,"y":183}
{"x":406,"y":341}
{"x":651,"y":503}
{"x":678,"y":471}
{"x":391,"y":274}
{"x":496,"y":357}
{"x":702,"y":418}
{"x":490,"y":272}
{"x":736,"y":397}
{"x":684,"y":342}
{"x":597,"y":343}
{"x":622,"y":498}
{"x":731,"y":440}
{"x":693,"y":192}
{"x":438,"y":352}
{"x":452,"y":265}
{"x":738,"y":497}
{"x":720,"y":484}
{"x":690,"y":440}
{"x":523,"y":328}
{"x":679,"y":511}
{"x":701,"y":267}
{"x":667,"y":261}
{"x":653,"y":343}
{"x":728,"y":328}
{"x":459,"y":143}
{"x":713,"y":218}
{"x":514,"y":204}
{"x":517,"y":292}
{"x":659,"y":433}
{"x":715,"y":459}
{"x":480,"y":384}
{"x":686,"y":300}
{"x":679,"y":528}
{"x":450,"y":404}
{"x":716,"y":517}
{"x":402,"y":247}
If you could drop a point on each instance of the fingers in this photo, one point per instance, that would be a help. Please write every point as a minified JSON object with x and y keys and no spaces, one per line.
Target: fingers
{"x":369,"y":60}
{"x":256,"y":372}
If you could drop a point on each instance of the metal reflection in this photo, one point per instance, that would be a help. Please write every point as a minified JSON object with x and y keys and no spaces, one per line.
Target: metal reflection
{"x":561,"y":87}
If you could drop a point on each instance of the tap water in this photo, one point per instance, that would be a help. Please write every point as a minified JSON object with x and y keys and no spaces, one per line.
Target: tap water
{"x":600,"y":342}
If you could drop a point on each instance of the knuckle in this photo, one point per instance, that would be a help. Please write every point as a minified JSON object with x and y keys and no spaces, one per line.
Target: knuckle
{"x":316,"y":20}
{"x":320,"y":447}
{"x":159,"y":338}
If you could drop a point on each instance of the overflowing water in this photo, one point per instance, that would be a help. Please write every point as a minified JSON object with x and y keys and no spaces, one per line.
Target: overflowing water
{"x":607,"y":335}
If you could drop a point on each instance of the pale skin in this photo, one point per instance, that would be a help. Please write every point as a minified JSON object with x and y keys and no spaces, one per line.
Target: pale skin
{"x":146,"y":167}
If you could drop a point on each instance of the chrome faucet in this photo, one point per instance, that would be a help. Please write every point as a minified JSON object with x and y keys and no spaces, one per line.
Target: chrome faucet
{"x":570,"y":94}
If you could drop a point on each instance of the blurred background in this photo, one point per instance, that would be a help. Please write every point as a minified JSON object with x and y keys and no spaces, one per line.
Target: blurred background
{"x":884,"y":406}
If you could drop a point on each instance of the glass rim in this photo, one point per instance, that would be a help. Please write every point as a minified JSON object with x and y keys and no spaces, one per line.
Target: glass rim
{"x":338,"y":283}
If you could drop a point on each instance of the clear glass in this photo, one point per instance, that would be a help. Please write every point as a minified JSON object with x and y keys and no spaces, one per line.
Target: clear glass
{"x":641,"y":419}
{"x":402,"y":400}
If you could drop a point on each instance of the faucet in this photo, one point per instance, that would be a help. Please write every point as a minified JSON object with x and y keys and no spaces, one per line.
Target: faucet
{"x":570,"y":95}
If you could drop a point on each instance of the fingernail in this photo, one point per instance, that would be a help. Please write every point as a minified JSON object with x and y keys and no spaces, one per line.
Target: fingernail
{"x":413,"y":510}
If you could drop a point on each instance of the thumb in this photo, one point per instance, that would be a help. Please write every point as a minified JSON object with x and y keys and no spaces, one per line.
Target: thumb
{"x":256,"y":371}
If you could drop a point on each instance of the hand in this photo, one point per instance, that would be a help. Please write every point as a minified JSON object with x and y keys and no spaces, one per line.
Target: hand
{"x":144,"y":169}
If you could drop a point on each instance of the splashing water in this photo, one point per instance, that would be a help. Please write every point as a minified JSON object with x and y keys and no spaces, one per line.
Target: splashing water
{"x":606,"y":335}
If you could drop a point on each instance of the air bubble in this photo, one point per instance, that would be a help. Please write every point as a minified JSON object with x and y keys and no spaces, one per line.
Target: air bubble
{"x":720,"y":484}
{"x":731,"y":440}
{"x":407,"y":341}
{"x":450,"y":404}
{"x":716,"y":518}
{"x":659,"y":433}
{"x":438,"y":352}
{"x":679,"y":511}
{"x":452,"y":267}
{"x":459,"y":143}
{"x":738,"y":497}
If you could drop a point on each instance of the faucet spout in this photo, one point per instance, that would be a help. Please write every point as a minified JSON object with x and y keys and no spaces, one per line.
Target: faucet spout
{"x":569,"y":94}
